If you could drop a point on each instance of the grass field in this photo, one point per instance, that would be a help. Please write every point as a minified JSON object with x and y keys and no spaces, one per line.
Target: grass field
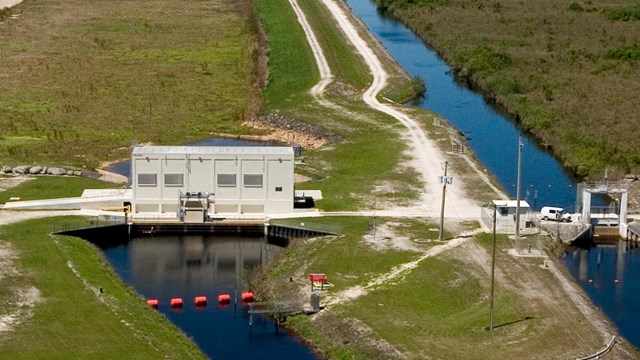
{"x":568,"y":70}
{"x":437,"y":310}
{"x":82,"y":80}
{"x":71,"y":318}
{"x":51,"y":187}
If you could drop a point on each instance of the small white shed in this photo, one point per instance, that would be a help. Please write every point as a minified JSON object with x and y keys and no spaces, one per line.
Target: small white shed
{"x":226,"y":179}
{"x":506,"y":215}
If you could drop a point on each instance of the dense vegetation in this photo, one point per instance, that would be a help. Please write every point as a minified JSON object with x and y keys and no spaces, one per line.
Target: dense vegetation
{"x":568,"y":71}
{"x":82,"y":80}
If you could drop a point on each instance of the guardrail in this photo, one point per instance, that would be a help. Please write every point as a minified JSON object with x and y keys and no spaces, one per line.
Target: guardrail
{"x":601,"y":352}
{"x":86,"y":224}
{"x":307,"y":226}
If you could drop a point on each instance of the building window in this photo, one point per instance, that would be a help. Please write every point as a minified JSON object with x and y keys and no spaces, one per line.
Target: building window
{"x":278,"y":188}
{"x":252,"y":180}
{"x":147,"y":179}
{"x":227,"y":180}
{"x":174,"y":180}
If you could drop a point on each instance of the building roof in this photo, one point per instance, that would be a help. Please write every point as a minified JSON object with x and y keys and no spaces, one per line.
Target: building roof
{"x":212,"y":150}
{"x":510,"y":203}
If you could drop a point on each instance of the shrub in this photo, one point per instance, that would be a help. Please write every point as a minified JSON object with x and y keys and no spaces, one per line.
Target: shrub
{"x":628,"y":53}
{"x":628,"y":13}
{"x":389,"y":5}
{"x":484,"y":59}
{"x":576,"y":7}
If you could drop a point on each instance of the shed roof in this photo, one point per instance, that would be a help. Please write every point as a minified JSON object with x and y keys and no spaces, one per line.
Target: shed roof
{"x":212,"y":150}
{"x":511,"y":203}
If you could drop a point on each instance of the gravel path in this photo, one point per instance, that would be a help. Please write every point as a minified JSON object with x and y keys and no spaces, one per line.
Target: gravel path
{"x":9,"y":3}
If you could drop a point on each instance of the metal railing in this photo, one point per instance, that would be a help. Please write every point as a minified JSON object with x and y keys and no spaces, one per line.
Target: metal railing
{"x":308,"y":226}
{"x":74,"y":225}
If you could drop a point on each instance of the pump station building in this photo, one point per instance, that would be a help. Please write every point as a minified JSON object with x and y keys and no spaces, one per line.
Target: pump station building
{"x":196,"y":182}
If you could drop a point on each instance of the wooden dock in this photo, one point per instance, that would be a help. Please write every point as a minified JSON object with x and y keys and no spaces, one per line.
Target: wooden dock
{"x":278,"y":310}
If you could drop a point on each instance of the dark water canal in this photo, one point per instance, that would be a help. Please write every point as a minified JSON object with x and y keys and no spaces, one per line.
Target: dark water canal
{"x":187,"y":266}
{"x":493,"y":136}
{"x":490,"y":133}
{"x":610,"y":275}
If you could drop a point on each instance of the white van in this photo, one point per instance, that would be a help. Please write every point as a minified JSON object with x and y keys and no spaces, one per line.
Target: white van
{"x":554,"y":213}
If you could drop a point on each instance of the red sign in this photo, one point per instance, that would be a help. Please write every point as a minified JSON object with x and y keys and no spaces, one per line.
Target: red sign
{"x":317,"y":277}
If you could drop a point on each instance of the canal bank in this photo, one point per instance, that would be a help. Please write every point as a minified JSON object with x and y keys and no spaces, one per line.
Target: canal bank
{"x":489,"y":132}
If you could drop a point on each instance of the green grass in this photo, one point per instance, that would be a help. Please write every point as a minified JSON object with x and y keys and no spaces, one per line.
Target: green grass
{"x":441,"y":302}
{"x":344,"y":171}
{"x":292,"y":69}
{"x":102,"y":74}
{"x":352,"y":69}
{"x":627,"y":13}
{"x":346,"y":259}
{"x":74,"y":320}
{"x":51,"y":187}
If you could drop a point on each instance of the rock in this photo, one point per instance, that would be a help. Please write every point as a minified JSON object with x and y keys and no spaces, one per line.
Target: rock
{"x":90,"y":174}
{"x":35,"y":170}
{"x":7,"y":169}
{"x":56,"y":171}
{"x":44,"y":169}
{"x":70,"y":172}
{"x":77,"y":173}
{"x":22,"y":169}
{"x":631,"y":177}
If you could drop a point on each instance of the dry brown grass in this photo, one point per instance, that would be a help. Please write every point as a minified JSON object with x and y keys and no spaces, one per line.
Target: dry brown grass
{"x":549,"y":63}
{"x":86,"y":78}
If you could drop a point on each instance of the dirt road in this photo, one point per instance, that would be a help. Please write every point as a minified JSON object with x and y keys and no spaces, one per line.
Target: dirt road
{"x":9,"y":3}
{"x":428,"y":159}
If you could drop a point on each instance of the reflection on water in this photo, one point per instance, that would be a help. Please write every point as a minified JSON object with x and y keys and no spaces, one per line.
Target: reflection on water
{"x":610,"y":274}
{"x":193,"y":265}
{"x":491,"y":134}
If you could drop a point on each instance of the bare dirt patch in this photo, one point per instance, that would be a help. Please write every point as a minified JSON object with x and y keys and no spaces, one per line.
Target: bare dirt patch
{"x":18,"y":306}
{"x":7,"y":182}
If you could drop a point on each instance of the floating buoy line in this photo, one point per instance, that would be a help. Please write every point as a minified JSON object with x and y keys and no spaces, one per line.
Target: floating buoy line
{"x":201,"y":300}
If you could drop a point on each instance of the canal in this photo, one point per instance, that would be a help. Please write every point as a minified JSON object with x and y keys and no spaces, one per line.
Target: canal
{"x":493,"y":136}
{"x":164,"y":267}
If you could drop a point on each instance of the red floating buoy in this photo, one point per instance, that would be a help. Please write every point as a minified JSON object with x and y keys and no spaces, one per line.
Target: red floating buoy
{"x":176,"y":302}
{"x":224,"y":298}
{"x":247,"y":296}
{"x":153,"y":302}
{"x":201,"y":300}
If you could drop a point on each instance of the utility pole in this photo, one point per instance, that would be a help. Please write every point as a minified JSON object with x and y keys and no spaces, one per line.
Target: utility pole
{"x":493,"y":266}
{"x":520,"y":145}
{"x":444,"y":180}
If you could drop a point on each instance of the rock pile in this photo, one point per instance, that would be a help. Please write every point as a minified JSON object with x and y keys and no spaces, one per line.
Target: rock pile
{"x":46,"y":170}
{"x":633,"y":188}
{"x":280,"y":121}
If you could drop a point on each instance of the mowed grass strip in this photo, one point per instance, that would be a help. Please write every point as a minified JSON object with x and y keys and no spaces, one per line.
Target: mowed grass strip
{"x":74,"y":320}
{"x":52,"y":187}
{"x":345,"y":170}
{"x":440,"y":309}
{"x":89,"y":77}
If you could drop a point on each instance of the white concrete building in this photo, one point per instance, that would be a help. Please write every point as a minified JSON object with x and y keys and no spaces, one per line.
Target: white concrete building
{"x":225,"y":180}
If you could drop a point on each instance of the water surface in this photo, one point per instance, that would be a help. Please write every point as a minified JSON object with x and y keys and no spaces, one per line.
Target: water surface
{"x":194,"y":265}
